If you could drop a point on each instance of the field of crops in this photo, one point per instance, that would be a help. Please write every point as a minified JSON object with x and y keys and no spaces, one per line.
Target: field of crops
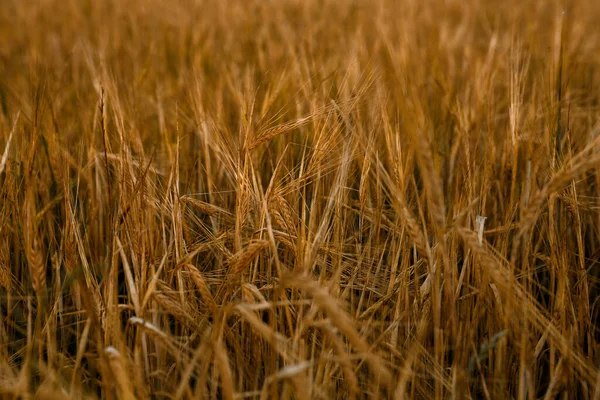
{"x":300,"y":199}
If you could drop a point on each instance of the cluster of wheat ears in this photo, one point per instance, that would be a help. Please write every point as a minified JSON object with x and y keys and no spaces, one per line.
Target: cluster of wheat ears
{"x":299,"y":199}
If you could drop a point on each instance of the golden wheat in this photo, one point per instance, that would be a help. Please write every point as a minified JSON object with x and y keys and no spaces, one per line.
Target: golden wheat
{"x":299,"y":199}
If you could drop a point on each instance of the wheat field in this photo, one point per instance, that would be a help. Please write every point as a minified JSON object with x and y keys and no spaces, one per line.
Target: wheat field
{"x":299,"y":199}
